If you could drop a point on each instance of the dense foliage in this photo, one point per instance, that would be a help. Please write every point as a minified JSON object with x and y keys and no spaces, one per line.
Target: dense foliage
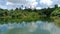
{"x":56,"y":12}
{"x":29,"y":14}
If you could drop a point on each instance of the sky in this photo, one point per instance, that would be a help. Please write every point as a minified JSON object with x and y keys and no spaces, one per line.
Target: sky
{"x":38,"y":4}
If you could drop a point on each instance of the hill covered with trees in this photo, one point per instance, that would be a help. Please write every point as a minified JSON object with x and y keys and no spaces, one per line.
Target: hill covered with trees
{"x":28,"y":14}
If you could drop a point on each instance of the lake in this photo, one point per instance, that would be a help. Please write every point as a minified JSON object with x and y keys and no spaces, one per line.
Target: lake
{"x":37,"y":27}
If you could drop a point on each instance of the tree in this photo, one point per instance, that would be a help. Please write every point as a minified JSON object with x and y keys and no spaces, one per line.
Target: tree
{"x":56,"y":6}
{"x":16,"y":9}
{"x":56,"y":12}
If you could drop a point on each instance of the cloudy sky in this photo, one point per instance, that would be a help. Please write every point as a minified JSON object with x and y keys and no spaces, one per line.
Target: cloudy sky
{"x":11,"y":4}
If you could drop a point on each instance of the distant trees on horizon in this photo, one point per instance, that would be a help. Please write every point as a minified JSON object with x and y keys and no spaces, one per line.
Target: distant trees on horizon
{"x":19,"y":11}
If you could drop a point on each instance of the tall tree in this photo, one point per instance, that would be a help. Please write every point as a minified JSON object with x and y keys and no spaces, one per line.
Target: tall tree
{"x":56,"y":6}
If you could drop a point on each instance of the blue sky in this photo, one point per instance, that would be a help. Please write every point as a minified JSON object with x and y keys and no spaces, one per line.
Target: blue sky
{"x":38,"y":4}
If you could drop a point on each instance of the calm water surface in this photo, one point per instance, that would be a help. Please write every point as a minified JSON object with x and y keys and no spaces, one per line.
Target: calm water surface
{"x":38,"y":27}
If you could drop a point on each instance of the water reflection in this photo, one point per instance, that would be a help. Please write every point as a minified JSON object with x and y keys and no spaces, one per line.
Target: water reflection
{"x":38,"y":27}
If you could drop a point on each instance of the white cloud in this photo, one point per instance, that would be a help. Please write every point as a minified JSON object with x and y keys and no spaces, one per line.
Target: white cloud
{"x":4,"y":7}
{"x":33,"y":3}
{"x":58,"y":5}
{"x":28,"y":3}
{"x":9,"y":3}
{"x":38,"y":7}
{"x":46,"y":2}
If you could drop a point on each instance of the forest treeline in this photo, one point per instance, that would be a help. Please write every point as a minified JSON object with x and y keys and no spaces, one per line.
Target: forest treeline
{"x":28,"y":13}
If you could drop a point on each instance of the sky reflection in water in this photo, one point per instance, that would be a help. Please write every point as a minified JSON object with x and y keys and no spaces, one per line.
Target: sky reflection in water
{"x":38,"y":27}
